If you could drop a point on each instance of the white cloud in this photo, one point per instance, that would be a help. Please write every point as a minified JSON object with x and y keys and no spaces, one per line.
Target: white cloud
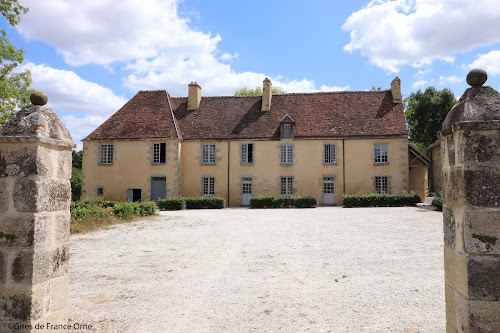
{"x":70,"y":93}
{"x":422,"y":73}
{"x":393,"y":33}
{"x":419,"y":84}
{"x":443,"y":80}
{"x":490,"y":62}
{"x":228,"y":56}
{"x":146,"y":40}
{"x":85,"y":104}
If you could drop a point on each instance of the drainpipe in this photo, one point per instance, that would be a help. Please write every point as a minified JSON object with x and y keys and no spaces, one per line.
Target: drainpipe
{"x":343,"y":163}
{"x":228,"y":155}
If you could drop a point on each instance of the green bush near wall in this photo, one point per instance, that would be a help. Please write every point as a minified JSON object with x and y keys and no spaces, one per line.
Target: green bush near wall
{"x":303,"y":201}
{"x":100,"y":208}
{"x":438,"y":200}
{"x":192,"y":203}
{"x":381,"y":200}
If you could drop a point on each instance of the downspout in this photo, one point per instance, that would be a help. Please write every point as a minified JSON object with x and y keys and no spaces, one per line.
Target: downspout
{"x":343,"y":163}
{"x":228,"y":155}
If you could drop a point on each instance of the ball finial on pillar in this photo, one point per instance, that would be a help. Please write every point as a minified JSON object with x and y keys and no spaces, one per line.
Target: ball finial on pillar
{"x":477,"y":77}
{"x":38,"y":98}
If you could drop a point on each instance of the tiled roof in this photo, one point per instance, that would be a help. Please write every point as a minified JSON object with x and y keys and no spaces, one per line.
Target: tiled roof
{"x":316,"y":115}
{"x":147,"y":115}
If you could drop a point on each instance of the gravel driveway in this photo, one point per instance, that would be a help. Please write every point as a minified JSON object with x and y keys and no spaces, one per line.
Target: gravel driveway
{"x":328,"y":269}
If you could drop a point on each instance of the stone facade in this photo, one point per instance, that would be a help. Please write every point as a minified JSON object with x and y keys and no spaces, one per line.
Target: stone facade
{"x":35,"y":195}
{"x":470,"y":150}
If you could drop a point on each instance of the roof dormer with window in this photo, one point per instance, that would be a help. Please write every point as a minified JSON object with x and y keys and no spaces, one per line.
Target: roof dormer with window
{"x":287,"y":125}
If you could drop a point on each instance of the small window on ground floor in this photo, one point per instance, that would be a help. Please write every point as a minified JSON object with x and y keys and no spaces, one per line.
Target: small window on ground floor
{"x":208,"y":186}
{"x":286,"y":186}
{"x":382,"y":185}
{"x":100,"y":191}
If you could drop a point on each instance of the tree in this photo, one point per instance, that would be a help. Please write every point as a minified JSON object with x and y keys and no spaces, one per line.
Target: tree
{"x":425,"y":113}
{"x":257,"y":91}
{"x":76,"y":175}
{"x":14,"y":86}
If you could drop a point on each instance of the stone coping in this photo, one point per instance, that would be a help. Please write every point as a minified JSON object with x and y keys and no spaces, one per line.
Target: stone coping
{"x":61,"y":143}
{"x":470,"y":125}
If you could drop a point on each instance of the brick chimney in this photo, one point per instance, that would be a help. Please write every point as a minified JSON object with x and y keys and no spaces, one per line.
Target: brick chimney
{"x":396,"y":90}
{"x":194,"y":96}
{"x":267,"y":94}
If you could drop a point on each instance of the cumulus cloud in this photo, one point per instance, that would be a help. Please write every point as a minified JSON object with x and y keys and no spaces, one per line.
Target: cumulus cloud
{"x":228,"y":56}
{"x":393,"y":33}
{"x":68,"y":92}
{"x":419,"y":84}
{"x":489,"y":62}
{"x":443,"y":80}
{"x":146,"y":40}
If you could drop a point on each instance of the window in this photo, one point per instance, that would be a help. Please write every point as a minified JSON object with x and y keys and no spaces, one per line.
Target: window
{"x":287,"y":131}
{"x":286,"y":154}
{"x":381,"y":155}
{"x":382,"y":185}
{"x":246,"y":185}
{"x":208,"y":186}
{"x":286,"y":188}
{"x":208,"y":154}
{"x":159,"y":152}
{"x":247,"y":153}
{"x":100,"y":191}
{"x":330,"y":157}
{"x":106,"y":154}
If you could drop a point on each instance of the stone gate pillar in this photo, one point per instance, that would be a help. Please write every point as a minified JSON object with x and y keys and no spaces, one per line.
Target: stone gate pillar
{"x":35,"y":195}
{"x":470,"y":149}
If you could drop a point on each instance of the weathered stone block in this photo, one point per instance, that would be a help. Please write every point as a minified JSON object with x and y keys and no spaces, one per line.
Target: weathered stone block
{"x":482,"y":187}
{"x":3,"y":269}
{"x":61,"y":228}
{"x":21,"y":160}
{"x":41,"y":195}
{"x":455,"y":269}
{"x":58,"y":293}
{"x":451,"y":149}
{"x":14,"y":307}
{"x":483,"y":277}
{"x":482,"y":231}
{"x":482,"y":146}
{"x":457,"y":311}
{"x":22,"y":267}
{"x":24,"y":230}
{"x":449,"y":227}
{"x":484,"y":316}
{"x":4,"y":196}
{"x":453,"y":187}
{"x":51,"y":263}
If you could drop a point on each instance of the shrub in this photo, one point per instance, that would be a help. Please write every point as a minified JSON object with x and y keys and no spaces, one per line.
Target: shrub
{"x":172,"y":204}
{"x":304,"y":201}
{"x":76,"y":184}
{"x":123,"y":210}
{"x":438,"y":200}
{"x":147,"y":208}
{"x":205,"y":203}
{"x":381,"y":200}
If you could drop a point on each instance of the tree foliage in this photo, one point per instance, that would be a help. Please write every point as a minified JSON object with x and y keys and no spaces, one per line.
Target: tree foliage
{"x":257,"y":91}
{"x":425,"y":113}
{"x":14,"y":86}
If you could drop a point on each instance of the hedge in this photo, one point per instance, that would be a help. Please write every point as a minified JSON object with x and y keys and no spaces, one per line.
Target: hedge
{"x":100,"y":208}
{"x":438,"y":200}
{"x":192,"y":203}
{"x":303,"y":201}
{"x":381,"y":200}
{"x":172,"y":204}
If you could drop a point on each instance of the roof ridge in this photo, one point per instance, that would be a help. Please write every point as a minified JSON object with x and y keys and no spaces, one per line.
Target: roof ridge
{"x":299,"y":93}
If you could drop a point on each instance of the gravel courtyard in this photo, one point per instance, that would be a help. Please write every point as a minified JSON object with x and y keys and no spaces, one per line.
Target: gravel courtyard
{"x":328,"y":269}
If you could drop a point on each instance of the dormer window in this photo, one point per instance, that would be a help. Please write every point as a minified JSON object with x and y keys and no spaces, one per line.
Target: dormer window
{"x":287,"y":131}
{"x":287,"y":124}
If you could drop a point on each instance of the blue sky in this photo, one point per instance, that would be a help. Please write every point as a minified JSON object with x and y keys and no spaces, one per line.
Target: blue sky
{"x":91,"y":56}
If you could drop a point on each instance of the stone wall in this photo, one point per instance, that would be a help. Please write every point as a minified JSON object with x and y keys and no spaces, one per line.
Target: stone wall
{"x":470,"y":149}
{"x":35,"y":195}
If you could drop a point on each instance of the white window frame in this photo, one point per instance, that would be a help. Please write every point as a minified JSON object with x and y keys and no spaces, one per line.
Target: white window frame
{"x":245,"y":153}
{"x":208,"y":189}
{"x":107,"y":152}
{"x":330,"y":154}
{"x":382,"y":185}
{"x":286,"y":154}
{"x":286,"y":186}
{"x":381,"y":153}
{"x":157,"y":152}
{"x":208,"y":154}
{"x":287,"y":131}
